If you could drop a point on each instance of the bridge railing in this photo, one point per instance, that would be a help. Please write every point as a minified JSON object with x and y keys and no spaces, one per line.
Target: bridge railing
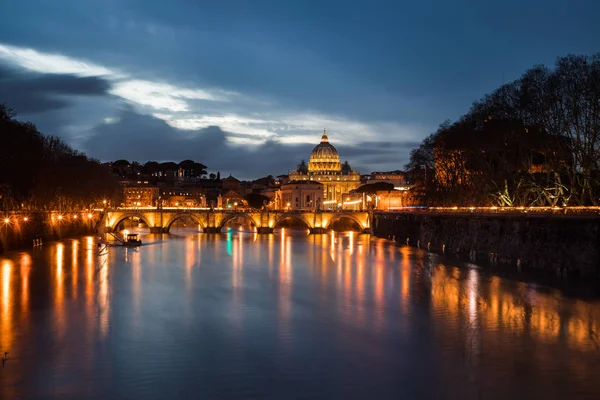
{"x":569,"y":210}
{"x":227,"y":210}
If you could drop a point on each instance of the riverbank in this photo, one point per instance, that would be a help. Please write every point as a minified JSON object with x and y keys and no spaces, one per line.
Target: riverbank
{"x":568,"y":245}
{"x":22,"y":230}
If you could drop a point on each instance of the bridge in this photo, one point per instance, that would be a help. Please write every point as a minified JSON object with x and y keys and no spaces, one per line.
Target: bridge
{"x":212,"y":221}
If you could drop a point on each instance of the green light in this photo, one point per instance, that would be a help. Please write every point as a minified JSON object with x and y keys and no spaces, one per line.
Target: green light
{"x":228,"y":205}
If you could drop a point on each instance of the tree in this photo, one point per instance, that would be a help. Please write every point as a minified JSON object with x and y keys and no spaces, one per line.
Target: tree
{"x":43,"y":172}
{"x":150,"y":168}
{"x":346,"y":169}
{"x":256,"y":200}
{"x":302,"y":167}
{"x":534,"y":141}
{"x":373,"y":188}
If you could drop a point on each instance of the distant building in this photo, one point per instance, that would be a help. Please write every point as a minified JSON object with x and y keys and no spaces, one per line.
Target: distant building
{"x":232,"y":199}
{"x":396,"y":178}
{"x":324,"y":166}
{"x":274,"y":195}
{"x":140,"y":195}
{"x":231,"y":183}
{"x":302,"y":195}
{"x":183,"y":197}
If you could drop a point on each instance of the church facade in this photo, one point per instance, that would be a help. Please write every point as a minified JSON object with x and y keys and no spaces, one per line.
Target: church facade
{"x":325,"y":167}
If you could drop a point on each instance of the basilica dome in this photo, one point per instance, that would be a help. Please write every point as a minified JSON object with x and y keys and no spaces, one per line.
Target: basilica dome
{"x":324,"y":158}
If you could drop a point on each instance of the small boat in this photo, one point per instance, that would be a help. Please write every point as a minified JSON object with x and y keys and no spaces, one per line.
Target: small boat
{"x":132,"y":240}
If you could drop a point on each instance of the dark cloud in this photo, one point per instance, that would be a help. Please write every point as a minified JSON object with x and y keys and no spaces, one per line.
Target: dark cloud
{"x":141,"y":137}
{"x":30,"y":93}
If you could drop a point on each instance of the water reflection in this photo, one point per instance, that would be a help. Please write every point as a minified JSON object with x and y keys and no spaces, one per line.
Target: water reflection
{"x":227,"y":306}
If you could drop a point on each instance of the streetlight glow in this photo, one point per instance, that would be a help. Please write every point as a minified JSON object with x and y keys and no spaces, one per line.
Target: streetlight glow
{"x":60,"y":217}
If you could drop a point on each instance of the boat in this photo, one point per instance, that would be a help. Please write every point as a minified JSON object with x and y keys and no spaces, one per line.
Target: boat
{"x":132,"y":240}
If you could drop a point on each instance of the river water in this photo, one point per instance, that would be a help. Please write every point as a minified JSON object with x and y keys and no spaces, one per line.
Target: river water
{"x":283,"y":316}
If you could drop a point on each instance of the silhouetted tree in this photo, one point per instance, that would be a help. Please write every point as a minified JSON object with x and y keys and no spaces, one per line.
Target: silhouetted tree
{"x":256,"y":200}
{"x":346,"y":169}
{"x":302,"y":167}
{"x":43,"y":172}
{"x":534,"y":141}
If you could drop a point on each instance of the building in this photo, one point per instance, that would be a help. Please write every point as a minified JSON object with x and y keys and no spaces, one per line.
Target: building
{"x":190,"y":197}
{"x":231,"y":183}
{"x":324,"y":166}
{"x":395,"y":178}
{"x":274,"y":195}
{"x":232,"y":199}
{"x":389,"y":200}
{"x":140,"y":195}
{"x":302,"y":195}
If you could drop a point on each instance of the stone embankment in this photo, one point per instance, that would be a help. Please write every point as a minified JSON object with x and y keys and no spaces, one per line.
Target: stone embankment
{"x":558,"y":243}
{"x":20,"y":230}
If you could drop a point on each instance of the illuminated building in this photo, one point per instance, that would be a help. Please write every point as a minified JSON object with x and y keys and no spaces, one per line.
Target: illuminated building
{"x":140,"y":196}
{"x":274,"y":195}
{"x":302,"y":195}
{"x":396,"y":178}
{"x":183,"y":197}
{"x":324,"y":166}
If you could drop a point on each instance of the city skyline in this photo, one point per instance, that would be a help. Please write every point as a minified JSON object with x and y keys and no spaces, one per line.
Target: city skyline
{"x":248,"y":90}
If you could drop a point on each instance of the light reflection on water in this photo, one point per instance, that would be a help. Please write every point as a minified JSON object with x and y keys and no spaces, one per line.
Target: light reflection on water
{"x":281,"y":316}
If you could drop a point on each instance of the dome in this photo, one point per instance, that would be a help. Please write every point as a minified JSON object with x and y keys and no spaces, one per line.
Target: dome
{"x":324,"y":158}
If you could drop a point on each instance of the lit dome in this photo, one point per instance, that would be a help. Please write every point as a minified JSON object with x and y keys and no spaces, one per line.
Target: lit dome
{"x":324,"y":158}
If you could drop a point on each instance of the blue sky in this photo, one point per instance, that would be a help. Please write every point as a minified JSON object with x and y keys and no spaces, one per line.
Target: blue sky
{"x":247,"y":87}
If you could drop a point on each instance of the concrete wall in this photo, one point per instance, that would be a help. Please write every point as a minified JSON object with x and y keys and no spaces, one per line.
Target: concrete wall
{"x":545,"y":242}
{"x":20,"y":234}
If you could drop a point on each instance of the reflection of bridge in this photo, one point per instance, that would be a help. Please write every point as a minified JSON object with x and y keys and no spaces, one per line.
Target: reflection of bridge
{"x":160,"y":220}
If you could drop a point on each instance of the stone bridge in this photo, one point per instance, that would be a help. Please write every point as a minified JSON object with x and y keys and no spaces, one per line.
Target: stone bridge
{"x":211,"y":221}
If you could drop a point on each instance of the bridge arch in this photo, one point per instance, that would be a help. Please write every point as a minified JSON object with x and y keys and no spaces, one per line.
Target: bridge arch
{"x":189,"y":215}
{"x":235,"y":215}
{"x":291,"y":216}
{"x":340,"y":216}
{"x":125,"y":216}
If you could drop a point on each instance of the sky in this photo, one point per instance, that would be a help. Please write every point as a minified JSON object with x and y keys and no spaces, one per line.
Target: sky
{"x":247,"y":87}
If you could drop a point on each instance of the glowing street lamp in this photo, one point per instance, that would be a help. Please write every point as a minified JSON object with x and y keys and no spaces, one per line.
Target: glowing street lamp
{"x":60,"y":217}
{"x":6,"y":220}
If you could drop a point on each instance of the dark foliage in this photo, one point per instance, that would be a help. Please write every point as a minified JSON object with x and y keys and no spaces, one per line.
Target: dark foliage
{"x":373,"y":188}
{"x":43,"y":172}
{"x":256,"y":200}
{"x":532,"y":142}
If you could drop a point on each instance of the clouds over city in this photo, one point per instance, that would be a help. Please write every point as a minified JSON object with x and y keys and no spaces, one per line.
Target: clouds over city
{"x":249,"y":86}
{"x":160,"y":120}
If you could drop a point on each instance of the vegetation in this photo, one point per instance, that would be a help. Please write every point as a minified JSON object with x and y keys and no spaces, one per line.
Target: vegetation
{"x":256,"y":200}
{"x":131,"y":170}
{"x":532,"y":142}
{"x":373,"y":188}
{"x":42,"y":172}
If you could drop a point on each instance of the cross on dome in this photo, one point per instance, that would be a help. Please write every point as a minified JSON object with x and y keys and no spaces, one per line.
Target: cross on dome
{"x":324,"y":138}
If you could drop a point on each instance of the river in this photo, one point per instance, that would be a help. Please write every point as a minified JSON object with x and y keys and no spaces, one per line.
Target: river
{"x":282,"y":316}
